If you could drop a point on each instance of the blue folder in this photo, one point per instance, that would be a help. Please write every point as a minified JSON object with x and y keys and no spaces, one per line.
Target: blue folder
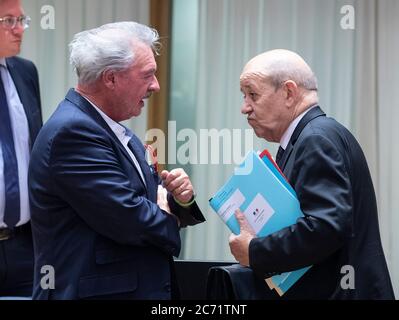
{"x":269,"y":203}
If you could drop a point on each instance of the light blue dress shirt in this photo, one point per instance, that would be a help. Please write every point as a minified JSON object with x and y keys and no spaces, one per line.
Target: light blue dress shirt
{"x":20,"y":129}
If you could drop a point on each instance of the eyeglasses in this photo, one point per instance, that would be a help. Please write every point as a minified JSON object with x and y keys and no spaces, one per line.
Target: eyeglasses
{"x":10,"y":22}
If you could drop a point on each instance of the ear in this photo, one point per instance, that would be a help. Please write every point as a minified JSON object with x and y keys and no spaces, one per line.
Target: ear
{"x":108,"y":78}
{"x":291,"y":92}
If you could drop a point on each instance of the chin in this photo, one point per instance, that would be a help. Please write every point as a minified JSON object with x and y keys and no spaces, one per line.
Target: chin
{"x":135,"y":113}
{"x":257,"y":131}
{"x":17,"y":49}
{"x":11,"y":53}
{"x":263,"y":135}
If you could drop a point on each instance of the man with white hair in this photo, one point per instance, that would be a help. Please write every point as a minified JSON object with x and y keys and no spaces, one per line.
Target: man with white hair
{"x":326,"y":166}
{"x":100,"y":217}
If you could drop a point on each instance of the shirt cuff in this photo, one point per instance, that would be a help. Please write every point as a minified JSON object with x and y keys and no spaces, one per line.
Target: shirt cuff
{"x":187,"y":204}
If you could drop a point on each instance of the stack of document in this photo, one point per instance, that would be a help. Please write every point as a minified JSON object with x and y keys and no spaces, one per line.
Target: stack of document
{"x":259,"y":189}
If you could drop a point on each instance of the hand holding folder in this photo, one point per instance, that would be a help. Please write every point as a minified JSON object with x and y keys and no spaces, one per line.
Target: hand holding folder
{"x":268,"y":202}
{"x":246,"y":234}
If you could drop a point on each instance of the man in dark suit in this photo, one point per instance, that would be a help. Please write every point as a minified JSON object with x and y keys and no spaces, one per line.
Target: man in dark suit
{"x":339,"y":233}
{"x":20,"y":121}
{"x":101,"y":219}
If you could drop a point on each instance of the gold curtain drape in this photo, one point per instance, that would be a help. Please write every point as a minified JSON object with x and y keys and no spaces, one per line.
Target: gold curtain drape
{"x":158,"y":110}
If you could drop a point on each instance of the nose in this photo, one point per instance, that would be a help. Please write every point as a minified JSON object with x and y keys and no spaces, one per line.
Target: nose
{"x":18,"y":29}
{"x":246,"y":108}
{"x":155,"y":85}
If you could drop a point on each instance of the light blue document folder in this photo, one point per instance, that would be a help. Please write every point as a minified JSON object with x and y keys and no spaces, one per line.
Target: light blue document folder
{"x":268,"y":202}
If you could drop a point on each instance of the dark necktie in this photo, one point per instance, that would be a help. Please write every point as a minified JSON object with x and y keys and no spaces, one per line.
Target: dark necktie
{"x":137,"y":148}
{"x":11,"y":183}
{"x":279,"y":156}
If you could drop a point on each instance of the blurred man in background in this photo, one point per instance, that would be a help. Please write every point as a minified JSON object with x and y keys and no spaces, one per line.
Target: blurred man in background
{"x":20,"y":121}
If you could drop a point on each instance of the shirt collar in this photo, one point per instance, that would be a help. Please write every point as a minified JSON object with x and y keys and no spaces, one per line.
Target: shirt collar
{"x":285,"y":139}
{"x":117,"y":128}
{"x":3,"y":62}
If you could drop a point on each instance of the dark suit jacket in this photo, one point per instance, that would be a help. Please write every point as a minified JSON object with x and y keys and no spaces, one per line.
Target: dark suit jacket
{"x":19,"y":255}
{"x":93,"y":219}
{"x":24,"y":74}
{"x":327,"y":168}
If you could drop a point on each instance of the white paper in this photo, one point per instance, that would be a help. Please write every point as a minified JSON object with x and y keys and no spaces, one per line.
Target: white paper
{"x":258,"y":212}
{"x":231,"y":205}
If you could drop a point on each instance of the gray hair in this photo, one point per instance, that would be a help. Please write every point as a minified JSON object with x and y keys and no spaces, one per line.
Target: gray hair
{"x":280,"y":71}
{"x":109,"y":47}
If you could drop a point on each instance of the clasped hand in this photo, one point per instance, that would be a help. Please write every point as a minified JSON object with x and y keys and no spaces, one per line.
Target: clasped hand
{"x":178,"y":184}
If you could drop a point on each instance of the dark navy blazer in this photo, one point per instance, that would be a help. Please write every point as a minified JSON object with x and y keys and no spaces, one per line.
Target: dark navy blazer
{"x":93,"y":218}
{"x":19,"y":253}
{"x":328,"y":170}
{"x":24,"y":74}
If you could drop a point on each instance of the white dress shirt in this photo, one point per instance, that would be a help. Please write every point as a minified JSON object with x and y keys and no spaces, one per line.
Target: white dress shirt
{"x":285,"y":139}
{"x":20,"y":130}
{"x":121,"y":134}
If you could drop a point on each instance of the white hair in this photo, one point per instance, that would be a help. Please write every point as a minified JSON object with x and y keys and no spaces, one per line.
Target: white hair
{"x":280,"y":71}
{"x":109,"y":47}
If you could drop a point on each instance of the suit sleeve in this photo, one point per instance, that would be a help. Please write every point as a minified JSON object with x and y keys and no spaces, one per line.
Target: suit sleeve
{"x":189,"y":216}
{"x":88,"y":176}
{"x":32,"y":81}
{"x":37,"y":91}
{"x":322,"y":184}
